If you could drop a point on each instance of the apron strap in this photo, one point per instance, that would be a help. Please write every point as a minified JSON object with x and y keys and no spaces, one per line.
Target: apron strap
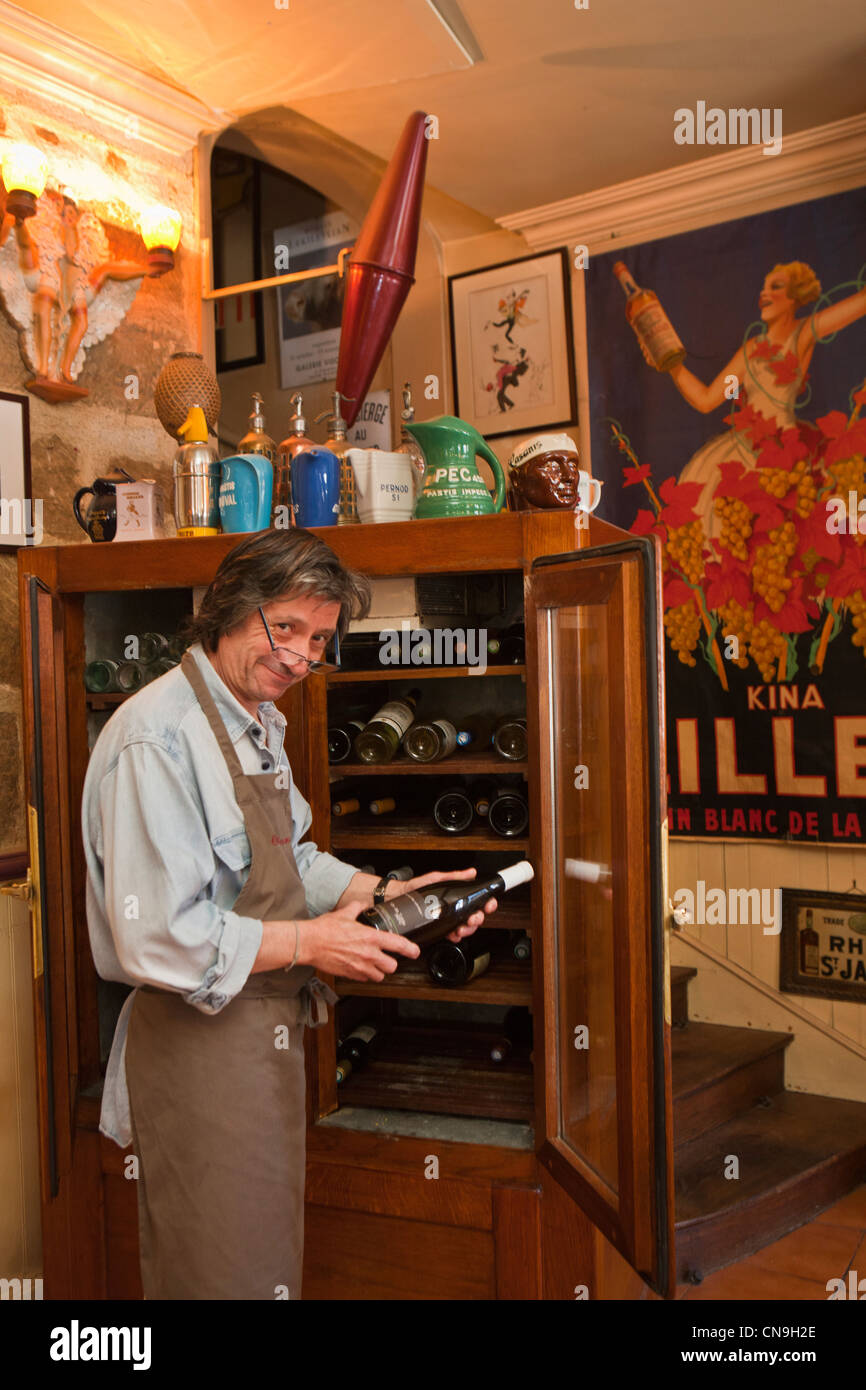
{"x":315,"y":996}
{"x":206,"y":700}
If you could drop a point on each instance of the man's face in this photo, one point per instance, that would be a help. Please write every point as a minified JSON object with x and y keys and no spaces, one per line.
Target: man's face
{"x":302,"y":623}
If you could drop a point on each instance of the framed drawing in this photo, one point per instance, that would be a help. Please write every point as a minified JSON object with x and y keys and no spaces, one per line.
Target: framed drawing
{"x":823,"y":945}
{"x":20,"y":516}
{"x":512,"y":346}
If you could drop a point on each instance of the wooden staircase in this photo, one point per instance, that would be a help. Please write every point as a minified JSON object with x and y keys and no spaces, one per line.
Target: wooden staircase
{"x":797,"y":1153}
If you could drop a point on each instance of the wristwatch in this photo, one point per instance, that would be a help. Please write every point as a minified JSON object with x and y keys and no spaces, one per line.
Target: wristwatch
{"x":379,"y":890}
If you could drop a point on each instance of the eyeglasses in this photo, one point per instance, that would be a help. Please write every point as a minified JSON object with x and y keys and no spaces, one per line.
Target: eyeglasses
{"x":311,"y":664}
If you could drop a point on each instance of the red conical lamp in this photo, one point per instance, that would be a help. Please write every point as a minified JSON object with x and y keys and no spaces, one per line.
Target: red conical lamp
{"x":381,"y":269}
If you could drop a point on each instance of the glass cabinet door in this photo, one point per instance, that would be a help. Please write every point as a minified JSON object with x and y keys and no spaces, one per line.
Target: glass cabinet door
{"x":596,"y":723}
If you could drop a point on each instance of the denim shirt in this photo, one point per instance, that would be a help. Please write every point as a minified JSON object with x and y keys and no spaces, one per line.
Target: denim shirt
{"x":167,"y":853}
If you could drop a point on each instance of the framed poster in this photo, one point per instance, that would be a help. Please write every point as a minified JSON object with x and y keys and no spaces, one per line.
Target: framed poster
{"x":512,"y":345}
{"x":728,"y":417}
{"x":311,"y":311}
{"x":20,"y":516}
{"x":823,"y":945}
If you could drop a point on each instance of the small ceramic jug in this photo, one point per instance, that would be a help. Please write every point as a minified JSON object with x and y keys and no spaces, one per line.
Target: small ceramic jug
{"x":245,"y":492}
{"x":316,"y":487}
{"x":384,"y":483}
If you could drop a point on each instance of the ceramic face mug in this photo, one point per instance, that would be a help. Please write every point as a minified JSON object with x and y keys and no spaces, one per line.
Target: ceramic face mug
{"x":385,"y":484}
{"x":545,"y":473}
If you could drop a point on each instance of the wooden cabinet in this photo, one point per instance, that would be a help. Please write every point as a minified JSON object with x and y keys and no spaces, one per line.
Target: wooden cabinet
{"x":433,"y":1171}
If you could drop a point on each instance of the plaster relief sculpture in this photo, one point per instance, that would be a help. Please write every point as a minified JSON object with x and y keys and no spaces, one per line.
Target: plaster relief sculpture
{"x":62,"y":290}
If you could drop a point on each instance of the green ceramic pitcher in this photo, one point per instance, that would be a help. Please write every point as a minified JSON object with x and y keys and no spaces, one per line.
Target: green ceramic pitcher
{"x":452,"y":485}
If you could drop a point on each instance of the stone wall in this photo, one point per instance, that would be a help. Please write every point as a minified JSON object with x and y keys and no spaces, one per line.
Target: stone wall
{"x":115,"y":172}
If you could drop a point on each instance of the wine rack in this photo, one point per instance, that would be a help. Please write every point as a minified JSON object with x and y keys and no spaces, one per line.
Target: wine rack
{"x":432,"y":1052}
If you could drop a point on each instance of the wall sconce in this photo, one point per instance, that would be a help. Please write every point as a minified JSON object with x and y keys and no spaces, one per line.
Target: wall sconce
{"x":25,"y":170}
{"x":160,"y":231}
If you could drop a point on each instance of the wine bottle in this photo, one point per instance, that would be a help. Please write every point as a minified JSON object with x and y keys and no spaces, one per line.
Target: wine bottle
{"x":345,"y":808}
{"x":512,"y":651}
{"x":428,"y":914}
{"x":344,"y":1070}
{"x":100,"y":677}
{"x":475,"y":733}
{"x":403,"y":874}
{"x":150,"y":646}
{"x":340,"y":739}
{"x":130,"y":676}
{"x":809,"y":946}
{"x":382,"y":805}
{"x":379,"y":740}
{"x":522,"y":947}
{"x":356,"y":1045}
{"x":458,"y":962}
{"x":517,"y":1030}
{"x":452,"y":811}
{"x":509,"y":739}
{"x":652,"y":327}
{"x":508,"y":813}
{"x":481,"y":794}
{"x":427,"y":743}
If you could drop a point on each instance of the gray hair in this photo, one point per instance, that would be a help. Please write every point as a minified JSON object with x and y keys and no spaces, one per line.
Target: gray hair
{"x":270,"y":565}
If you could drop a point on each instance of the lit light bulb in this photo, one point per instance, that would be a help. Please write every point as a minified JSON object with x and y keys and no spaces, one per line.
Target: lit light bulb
{"x":25,"y":170}
{"x":160,"y":232}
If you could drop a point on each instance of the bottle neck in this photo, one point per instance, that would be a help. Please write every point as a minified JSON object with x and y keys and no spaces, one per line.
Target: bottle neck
{"x":628,"y":285}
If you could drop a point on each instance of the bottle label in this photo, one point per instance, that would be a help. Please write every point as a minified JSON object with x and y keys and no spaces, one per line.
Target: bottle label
{"x":409,"y":912}
{"x":810,"y":960}
{"x":365,"y":1032}
{"x":397,"y":714}
{"x":479,"y":964}
{"x":657,"y":332}
{"x":450,"y":735}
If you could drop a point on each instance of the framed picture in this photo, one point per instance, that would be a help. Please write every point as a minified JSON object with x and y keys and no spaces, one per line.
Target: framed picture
{"x":823,"y":945}
{"x":311,"y":311}
{"x":20,"y":515}
{"x":512,"y":345}
{"x":237,"y":260}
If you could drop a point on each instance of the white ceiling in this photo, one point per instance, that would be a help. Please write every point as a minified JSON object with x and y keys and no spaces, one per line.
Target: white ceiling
{"x":562,"y":101}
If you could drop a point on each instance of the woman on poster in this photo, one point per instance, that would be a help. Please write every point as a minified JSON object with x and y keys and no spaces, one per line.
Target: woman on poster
{"x":768,"y":370}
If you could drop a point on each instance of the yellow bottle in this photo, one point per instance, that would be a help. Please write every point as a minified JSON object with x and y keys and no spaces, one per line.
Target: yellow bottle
{"x":197,"y":474}
{"x":338,"y":444}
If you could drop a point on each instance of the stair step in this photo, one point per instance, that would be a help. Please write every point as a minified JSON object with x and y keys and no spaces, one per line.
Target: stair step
{"x":718,"y":1071}
{"x":680,"y":976}
{"x":796,"y":1157}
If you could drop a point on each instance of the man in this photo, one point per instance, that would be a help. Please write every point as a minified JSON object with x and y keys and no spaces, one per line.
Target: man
{"x":201,"y":893}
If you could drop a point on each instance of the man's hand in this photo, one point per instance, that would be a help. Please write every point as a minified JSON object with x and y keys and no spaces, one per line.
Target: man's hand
{"x":339,"y":944}
{"x":414,"y":884}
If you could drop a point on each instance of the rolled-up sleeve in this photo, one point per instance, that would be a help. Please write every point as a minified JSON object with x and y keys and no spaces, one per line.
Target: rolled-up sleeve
{"x":325,"y":878}
{"x":167,"y":928}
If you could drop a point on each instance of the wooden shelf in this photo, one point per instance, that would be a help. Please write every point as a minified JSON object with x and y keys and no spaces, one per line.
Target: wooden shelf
{"x":421,"y":835}
{"x":405,"y":673}
{"x":460,"y":764}
{"x":110,"y":700}
{"x":437,"y":1070}
{"x":506,"y":982}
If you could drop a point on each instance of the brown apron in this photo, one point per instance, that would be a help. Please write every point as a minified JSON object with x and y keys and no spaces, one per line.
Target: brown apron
{"x":218,"y":1101}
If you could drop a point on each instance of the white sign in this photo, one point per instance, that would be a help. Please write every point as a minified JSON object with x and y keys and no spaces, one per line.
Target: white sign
{"x":372,"y":428}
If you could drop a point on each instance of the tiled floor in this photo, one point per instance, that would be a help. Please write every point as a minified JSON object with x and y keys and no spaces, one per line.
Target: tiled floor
{"x":799,"y":1265}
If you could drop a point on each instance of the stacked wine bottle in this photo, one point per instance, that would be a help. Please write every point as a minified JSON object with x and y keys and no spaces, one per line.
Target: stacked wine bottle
{"x":123,"y":674}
